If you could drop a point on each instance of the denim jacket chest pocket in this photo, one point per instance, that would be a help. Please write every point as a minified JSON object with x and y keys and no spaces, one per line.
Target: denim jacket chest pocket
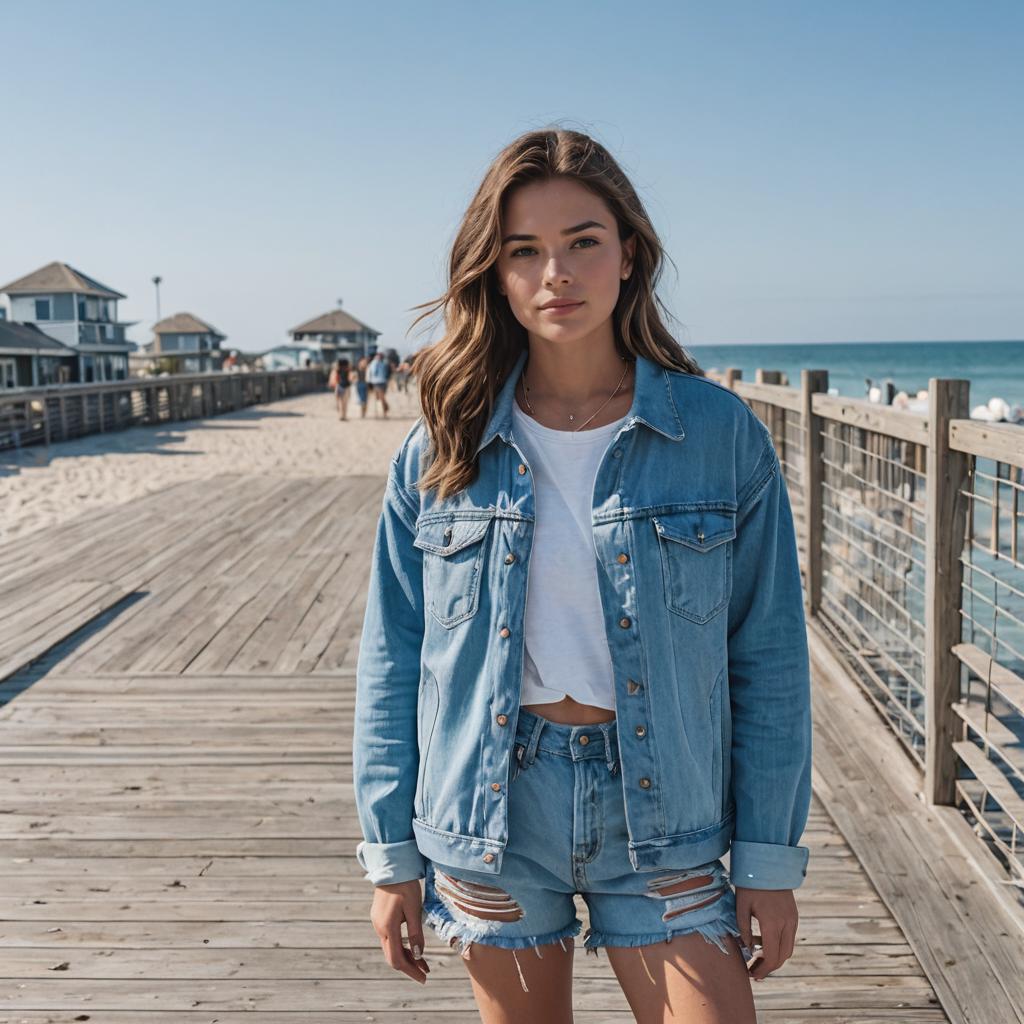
{"x":453,"y":554}
{"x":696,"y":560}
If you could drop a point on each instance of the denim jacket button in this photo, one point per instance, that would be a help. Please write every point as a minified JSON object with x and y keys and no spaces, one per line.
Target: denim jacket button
{"x":624,"y":623}
{"x":633,"y":686}
{"x":522,"y":469}
{"x":488,"y":857}
{"x":496,"y":786}
{"x":505,"y":631}
{"x":645,"y":783}
{"x":510,"y":558}
{"x":622,"y":558}
{"x":641,"y":731}
{"x":502,"y":719}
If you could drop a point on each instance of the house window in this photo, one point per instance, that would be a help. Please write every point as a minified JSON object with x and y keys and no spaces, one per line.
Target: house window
{"x":3,"y":313}
{"x":8,"y":373}
{"x":42,"y":309}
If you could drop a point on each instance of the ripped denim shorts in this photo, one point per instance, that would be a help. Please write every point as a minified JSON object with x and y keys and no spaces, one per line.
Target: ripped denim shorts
{"x":567,"y":835}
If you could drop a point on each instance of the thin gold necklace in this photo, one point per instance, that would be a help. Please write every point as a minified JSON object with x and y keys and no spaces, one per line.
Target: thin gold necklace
{"x":526,"y":397}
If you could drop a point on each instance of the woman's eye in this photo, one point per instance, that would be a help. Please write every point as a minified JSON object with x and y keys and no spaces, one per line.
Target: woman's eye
{"x":524,"y":248}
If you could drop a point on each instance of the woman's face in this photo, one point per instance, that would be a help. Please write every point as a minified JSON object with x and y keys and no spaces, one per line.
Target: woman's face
{"x":561,"y":242}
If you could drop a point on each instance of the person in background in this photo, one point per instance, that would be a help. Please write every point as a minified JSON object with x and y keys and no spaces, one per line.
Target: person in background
{"x":340,"y":382}
{"x":377,"y":375}
{"x":362,"y":388}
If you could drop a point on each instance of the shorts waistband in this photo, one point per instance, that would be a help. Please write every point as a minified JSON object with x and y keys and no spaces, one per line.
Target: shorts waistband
{"x":578,"y":742}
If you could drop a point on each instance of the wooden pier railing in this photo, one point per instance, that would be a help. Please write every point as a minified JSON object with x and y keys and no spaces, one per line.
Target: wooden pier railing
{"x":58,"y":413}
{"x":910,"y":533}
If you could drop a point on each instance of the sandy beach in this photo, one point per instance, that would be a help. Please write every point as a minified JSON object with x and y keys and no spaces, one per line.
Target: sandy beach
{"x":42,"y":486}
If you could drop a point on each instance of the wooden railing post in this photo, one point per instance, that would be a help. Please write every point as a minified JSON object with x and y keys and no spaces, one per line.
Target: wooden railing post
{"x":812,"y":425}
{"x":776,"y":421}
{"x":731,"y":375}
{"x":946,"y":507}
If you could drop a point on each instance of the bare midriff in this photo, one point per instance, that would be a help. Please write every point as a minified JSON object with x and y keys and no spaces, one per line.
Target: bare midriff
{"x":571,"y":712}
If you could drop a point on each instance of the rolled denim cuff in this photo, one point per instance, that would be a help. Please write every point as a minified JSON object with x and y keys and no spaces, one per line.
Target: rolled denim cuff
{"x":389,"y":863}
{"x":767,"y":865}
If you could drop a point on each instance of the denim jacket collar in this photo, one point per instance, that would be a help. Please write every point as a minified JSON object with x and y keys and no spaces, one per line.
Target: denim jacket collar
{"x":653,"y":404}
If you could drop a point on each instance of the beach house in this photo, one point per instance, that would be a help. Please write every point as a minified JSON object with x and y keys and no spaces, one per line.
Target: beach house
{"x":185,"y":344}
{"x":322,"y":340}
{"x":31,"y":359}
{"x":77,"y":311}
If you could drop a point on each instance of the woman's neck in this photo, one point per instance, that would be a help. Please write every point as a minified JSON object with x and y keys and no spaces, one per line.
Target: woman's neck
{"x":563,"y":383}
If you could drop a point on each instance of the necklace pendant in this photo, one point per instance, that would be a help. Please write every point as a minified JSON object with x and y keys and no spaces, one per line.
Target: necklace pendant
{"x":571,"y":416}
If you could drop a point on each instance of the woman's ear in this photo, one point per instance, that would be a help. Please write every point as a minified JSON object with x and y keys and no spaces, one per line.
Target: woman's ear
{"x":628,"y":255}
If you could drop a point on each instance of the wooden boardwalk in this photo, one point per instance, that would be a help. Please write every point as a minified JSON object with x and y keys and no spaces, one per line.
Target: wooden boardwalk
{"x":177,"y":828}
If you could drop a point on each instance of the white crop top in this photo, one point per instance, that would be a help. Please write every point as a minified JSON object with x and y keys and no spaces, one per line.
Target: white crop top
{"x":566,"y":649}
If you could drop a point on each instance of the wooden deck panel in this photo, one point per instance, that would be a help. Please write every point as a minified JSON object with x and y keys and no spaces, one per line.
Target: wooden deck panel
{"x":176,"y":821}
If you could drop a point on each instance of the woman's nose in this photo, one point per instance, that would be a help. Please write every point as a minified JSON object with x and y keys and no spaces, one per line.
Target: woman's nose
{"x":555,"y":270}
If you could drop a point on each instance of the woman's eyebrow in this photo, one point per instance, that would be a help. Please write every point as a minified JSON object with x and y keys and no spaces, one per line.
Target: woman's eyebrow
{"x":566,"y":231}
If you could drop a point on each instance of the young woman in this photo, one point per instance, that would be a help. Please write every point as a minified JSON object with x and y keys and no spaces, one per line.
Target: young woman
{"x":342,"y":386}
{"x":583,"y":665}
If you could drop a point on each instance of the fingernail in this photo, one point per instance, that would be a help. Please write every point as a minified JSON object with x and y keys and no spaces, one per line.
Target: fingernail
{"x":417,"y":951}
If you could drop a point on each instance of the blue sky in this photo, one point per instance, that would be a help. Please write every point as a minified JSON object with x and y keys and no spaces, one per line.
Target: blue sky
{"x":818,"y":171}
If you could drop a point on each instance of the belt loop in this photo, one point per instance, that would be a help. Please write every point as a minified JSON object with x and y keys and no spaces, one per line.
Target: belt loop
{"x":610,"y":757}
{"x":531,"y":746}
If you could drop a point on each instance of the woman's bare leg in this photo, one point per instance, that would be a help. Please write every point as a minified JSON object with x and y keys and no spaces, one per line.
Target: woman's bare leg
{"x":498,"y":988}
{"x":693,"y":981}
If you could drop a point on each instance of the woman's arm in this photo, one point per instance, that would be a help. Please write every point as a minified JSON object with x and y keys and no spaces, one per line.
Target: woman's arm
{"x":385,"y":753}
{"x":769,"y":686}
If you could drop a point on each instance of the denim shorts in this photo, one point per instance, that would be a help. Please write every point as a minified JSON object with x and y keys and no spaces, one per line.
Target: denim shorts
{"x":567,"y":835}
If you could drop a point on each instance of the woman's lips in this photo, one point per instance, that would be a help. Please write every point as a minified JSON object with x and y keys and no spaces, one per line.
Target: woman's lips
{"x":561,"y":310}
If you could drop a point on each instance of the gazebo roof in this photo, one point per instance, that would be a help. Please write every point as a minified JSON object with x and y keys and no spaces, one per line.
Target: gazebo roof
{"x":337,"y":321}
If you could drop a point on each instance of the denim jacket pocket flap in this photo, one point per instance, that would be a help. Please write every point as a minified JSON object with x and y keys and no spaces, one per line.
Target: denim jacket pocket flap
{"x":700,"y":529}
{"x":445,"y":537}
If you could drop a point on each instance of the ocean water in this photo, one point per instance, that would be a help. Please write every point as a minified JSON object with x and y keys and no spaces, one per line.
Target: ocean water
{"x":994,"y":368}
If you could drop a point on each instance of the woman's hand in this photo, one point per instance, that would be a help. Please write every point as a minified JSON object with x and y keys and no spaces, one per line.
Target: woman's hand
{"x":775,"y":910}
{"x":393,"y":904}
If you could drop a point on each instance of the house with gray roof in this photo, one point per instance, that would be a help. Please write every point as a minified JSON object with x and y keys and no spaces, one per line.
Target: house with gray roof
{"x":31,"y":359}
{"x":322,"y":340}
{"x":185,"y":344}
{"x":76,"y":310}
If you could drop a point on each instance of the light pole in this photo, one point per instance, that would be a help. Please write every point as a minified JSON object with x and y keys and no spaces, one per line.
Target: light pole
{"x":156,"y":281}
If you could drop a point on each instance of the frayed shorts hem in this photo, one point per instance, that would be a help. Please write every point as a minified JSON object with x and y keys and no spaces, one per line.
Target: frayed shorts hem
{"x":714,"y":932}
{"x":446,"y":927}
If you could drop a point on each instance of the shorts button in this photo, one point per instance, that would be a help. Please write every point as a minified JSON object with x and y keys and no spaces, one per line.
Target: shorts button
{"x":502,"y":719}
{"x":488,"y":857}
{"x":645,"y":783}
{"x":505,"y":631}
{"x":641,"y":731}
{"x":496,"y":786}
{"x":584,"y":740}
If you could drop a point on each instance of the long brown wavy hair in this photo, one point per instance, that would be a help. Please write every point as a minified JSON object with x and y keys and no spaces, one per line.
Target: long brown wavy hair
{"x":461,"y":375}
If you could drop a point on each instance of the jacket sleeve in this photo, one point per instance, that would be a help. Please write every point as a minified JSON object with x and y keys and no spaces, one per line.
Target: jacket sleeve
{"x":385,"y":752}
{"x":769,"y":686}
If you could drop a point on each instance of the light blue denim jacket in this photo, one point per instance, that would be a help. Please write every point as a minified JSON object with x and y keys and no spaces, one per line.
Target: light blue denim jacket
{"x":703,"y":611}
